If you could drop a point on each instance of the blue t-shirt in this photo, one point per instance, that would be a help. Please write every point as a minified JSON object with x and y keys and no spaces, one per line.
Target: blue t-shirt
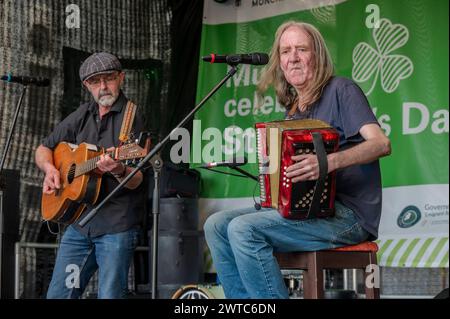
{"x":344,"y":106}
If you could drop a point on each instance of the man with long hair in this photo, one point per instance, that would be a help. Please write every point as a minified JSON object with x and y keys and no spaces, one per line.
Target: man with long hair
{"x":242,"y":241}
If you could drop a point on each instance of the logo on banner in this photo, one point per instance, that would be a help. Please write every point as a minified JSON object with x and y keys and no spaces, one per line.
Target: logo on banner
{"x":325,"y":15}
{"x":370,"y":63}
{"x":409,"y":217}
{"x":260,"y":3}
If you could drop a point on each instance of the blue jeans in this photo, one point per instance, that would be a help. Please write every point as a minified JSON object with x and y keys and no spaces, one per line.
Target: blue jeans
{"x":242,"y":243}
{"x":79,"y":256}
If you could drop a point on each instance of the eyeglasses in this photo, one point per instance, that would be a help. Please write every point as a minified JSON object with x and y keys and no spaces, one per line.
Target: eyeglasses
{"x":96,"y":80}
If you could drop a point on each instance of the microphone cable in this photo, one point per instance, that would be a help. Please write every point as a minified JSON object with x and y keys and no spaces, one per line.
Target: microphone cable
{"x":222,"y":172}
{"x":256,"y":205}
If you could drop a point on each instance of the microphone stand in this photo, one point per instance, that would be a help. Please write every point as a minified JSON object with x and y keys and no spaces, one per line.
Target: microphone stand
{"x":8,"y":142}
{"x":11,"y":130}
{"x":157,"y":165}
{"x":146,"y":159}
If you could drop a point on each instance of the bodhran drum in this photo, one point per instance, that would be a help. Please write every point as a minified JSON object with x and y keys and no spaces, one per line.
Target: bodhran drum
{"x":199,"y":292}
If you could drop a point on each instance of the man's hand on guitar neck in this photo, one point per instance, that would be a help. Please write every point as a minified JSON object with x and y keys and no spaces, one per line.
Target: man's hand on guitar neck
{"x":118,"y":170}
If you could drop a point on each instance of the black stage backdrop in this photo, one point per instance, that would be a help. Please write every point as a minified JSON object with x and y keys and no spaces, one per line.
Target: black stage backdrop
{"x":186,"y":29}
{"x":158,"y":43}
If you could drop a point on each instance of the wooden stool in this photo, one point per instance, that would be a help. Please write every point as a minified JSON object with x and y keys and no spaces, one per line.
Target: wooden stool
{"x":314,"y":262}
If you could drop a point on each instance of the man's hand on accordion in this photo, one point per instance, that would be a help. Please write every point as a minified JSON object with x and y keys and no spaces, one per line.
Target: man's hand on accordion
{"x":306,"y":168}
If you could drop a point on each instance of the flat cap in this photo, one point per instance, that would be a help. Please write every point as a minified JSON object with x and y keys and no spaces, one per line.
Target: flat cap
{"x":97,"y":63}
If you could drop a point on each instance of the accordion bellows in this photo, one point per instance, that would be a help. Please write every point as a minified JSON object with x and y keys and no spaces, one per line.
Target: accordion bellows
{"x":277,"y":142}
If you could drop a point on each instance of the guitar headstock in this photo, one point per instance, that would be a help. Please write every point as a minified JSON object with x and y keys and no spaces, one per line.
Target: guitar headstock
{"x":133,"y":149}
{"x":130,"y":151}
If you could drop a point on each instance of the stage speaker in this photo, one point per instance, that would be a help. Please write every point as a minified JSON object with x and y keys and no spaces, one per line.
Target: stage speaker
{"x":180,"y":246}
{"x":178,"y":214}
{"x":9,"y":229}
{"x":180,"y":260}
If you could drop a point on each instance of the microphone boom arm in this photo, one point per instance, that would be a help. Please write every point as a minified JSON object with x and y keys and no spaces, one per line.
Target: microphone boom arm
{"x":157,"y":147}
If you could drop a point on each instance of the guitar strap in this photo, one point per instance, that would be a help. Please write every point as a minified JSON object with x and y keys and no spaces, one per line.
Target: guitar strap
{"x":127,"y":122}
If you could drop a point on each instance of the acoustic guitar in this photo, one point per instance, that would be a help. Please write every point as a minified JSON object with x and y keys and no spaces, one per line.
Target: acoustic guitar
{"x":80,"y":181}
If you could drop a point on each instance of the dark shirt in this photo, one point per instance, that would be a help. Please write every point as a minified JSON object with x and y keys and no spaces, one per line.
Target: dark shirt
{"x":125,"y":209}
{"x":344,"y":106}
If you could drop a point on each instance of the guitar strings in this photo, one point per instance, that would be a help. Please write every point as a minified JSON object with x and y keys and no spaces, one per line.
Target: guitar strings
{"x":87,"y":166}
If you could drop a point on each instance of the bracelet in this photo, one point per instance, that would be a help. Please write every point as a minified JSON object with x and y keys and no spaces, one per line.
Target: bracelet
{"x":121,"y":174}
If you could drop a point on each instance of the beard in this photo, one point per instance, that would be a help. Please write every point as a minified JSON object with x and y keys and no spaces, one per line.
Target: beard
{"x":106,"y":98}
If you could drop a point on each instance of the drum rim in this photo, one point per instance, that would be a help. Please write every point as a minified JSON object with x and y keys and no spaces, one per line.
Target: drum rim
{"x":186,"y":288}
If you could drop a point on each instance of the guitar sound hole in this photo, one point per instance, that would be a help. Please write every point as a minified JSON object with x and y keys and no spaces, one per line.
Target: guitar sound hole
{"x":71,"y":174}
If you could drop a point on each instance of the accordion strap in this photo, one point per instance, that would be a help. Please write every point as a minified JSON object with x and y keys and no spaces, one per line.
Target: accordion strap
{"x":323,"y":172}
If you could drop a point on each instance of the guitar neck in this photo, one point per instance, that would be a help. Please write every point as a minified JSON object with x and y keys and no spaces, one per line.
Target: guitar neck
{"x":89,"y":165}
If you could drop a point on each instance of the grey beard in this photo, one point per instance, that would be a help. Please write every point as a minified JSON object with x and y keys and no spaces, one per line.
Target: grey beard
{"x":106,"y":100}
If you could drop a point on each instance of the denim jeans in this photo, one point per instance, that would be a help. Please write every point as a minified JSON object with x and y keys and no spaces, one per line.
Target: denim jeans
{"x":242,"y":243}
{"x":79,"y":256}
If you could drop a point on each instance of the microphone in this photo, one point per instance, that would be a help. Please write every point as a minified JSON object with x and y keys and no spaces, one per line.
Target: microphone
{"x":26,"y":80}
{"x":238,"y":161}
{"x":233,"y":59}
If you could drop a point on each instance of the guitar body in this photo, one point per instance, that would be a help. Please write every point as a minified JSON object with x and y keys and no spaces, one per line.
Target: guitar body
{"x":66,"y":204}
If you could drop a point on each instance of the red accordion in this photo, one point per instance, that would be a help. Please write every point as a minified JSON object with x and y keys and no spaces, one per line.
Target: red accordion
{"x":277,"y":142}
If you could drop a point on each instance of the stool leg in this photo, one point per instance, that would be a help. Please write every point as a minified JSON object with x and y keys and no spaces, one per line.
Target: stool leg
{"x":371,"y":293}
{"x":313,"y":278}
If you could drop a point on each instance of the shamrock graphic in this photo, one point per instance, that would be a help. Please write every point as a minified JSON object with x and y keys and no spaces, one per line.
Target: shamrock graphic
{"x":325,"y":14}
{"x":393,"y":67}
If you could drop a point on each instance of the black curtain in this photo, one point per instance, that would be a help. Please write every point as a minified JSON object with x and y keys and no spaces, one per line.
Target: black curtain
{"x":186,"y":27}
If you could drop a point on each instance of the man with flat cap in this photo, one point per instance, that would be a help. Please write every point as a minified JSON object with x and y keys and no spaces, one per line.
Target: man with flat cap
{"x":107,"y":241}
